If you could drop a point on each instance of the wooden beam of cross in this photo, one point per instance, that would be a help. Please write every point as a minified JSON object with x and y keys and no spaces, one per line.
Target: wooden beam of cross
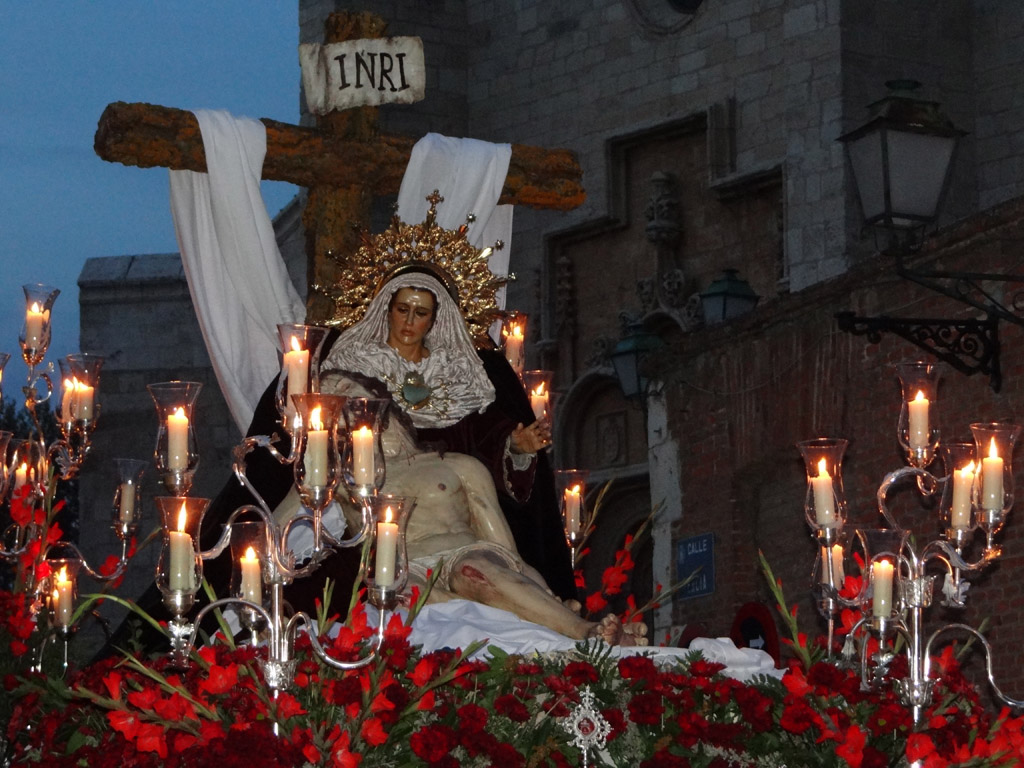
{"x":344,"y":162}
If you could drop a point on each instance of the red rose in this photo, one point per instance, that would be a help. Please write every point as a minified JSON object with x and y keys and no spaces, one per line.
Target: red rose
{"x":580,"y":672}
{"x":433,"y":742}
{"x":512,"y":708}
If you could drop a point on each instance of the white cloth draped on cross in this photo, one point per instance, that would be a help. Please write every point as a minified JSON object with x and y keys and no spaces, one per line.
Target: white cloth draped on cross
{"x":238,"y":282}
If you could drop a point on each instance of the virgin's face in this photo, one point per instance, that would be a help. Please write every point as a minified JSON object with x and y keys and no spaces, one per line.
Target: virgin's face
{"x":410,"y":317}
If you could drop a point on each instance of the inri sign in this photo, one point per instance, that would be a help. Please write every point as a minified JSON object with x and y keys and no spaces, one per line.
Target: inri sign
{"x":362,"y":73}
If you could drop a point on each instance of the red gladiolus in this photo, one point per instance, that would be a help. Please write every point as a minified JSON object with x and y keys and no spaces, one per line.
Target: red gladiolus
{"x":125,"y":723}
{"x":373,"y":732}
{"x":596,"y":603}
{"x":113,"y":683}
{"x":852,"y":749}
{"x":288,"y":706}
{"x":919,"y":746}
{"x":219,"y":679}
{"x":151,"y":738}
{"x":341,"y":757}
{"x":424,"y":671}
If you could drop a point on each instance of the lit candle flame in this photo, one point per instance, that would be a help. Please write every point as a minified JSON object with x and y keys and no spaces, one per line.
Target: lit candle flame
{"x":62,"y":575}
{"x":250,"y":555}
{"x":314,"y":419}
{"x":296,"y":347}
{"x":575,"y":490}
{"x":182,"y":518}
{"x":388,"y":515}
{"x":920,"y":395}
{"x":968,"y":469}
{"x":823,"y":468}
{"x":539,"y":391}
{"x":993,"y":450}
{"x":36,"y":309}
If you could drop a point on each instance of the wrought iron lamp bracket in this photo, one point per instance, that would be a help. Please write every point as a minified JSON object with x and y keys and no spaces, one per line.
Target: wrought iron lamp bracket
{"x":969,"y":345}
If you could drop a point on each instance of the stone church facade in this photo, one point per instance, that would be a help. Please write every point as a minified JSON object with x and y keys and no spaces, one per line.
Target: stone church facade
{"x":708,"y":141}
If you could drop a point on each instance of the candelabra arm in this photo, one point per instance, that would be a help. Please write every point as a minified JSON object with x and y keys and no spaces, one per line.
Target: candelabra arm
{"x":17,"y":550}
{"x":243,"y":449}
{"x":927,"y":485}
{"x":225,"y":536}
{"x":320,"y":651}
{"x":1008,"y":700}
{"x":949,"y":555}
{"x":95,"y":575}
{"x":223,"y":602}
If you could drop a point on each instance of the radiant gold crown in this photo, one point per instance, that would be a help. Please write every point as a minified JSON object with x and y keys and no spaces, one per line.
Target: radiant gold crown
{"x":443,"y":253}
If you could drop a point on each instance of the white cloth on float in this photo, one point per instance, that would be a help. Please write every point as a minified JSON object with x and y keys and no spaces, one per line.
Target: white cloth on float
{"x":458,"y":623}
{"x":239,"y":285}
{"x":469,"y":174}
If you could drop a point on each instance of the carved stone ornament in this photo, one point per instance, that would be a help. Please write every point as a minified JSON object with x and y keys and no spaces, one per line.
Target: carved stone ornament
{"x":662,"y":211}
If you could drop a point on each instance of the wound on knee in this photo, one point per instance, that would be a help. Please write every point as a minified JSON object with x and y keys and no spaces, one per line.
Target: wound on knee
{"x":472,"y":573}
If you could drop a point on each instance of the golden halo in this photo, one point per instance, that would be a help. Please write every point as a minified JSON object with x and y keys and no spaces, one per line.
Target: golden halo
{"x":442,"y":253}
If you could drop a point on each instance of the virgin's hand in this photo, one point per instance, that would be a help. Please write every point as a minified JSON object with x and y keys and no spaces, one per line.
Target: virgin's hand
{"x":531,"y":439}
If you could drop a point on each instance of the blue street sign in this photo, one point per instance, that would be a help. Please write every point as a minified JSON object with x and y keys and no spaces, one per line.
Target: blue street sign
{"x":696,"y":552}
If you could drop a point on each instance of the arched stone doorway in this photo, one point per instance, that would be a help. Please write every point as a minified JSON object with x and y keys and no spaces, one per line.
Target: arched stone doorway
{"x":599,"y":431}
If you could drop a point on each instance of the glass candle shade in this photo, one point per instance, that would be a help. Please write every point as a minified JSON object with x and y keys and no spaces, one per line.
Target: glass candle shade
{"x":830,"y":565}
{"x":916,"y":430}
{"x":81,"y":381}
{"x":176,"y":456}
{"x":956,"y":505}
{"x":63,"y":586}
{"x":127,"y":507}
{"x":179,"y":570}
{"x":28,"y":467}
{"x":993,"y":481}
{"x":387,"y":567}
{"x":248,"y":558}
{"x":4,"y":357}
{"x":300,"y":371}
{"x":825,"y":502}
{"x":571,"y":485}
{"x":35,"y":332}
{"x":882,"y":550}
{"x":513,"y":337}
{"x":5,"y":474}
{"x":538,"y":389}
{"x":362,"y":451}
{"x":317,"y":467}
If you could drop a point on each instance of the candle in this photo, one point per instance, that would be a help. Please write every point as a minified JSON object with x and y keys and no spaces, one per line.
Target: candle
{"x":63,"y":598}
{"x":514,"y":348}
{"x":35,"y":320}
{"x":571,"y":506}
{"x":251,"y":588}
{"x":838,"y":574}
{"x":960,"y":509}
{"x":539,"y":401}
{"x":992,"y":479}
{"x":126,"y":503}
{"x":918,"y":421}
{"x":387,"y":549}
{"x":296,"y":368}
{"x":362,"y":456}
{"x":177,"y":440}
{"x":824,"y":498}
{"x":20,"y":476}
{"x":881,"y":574}
{"x":67,"y":403}
{"x":315,"y":460}
{"x":181,"y":576}
{"x":83,"y":401}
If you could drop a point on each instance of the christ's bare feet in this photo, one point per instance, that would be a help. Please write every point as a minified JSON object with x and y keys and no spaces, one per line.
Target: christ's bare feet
{"x":612,"y":631}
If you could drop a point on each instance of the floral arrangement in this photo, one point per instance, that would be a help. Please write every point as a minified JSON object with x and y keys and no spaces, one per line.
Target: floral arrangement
{"x":446,"y":709}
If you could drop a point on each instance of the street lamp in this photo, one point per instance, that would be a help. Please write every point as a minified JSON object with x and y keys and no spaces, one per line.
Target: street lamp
{"x":726,"y":298}
{"x":902,"y":159}
{"x":629,"y":358}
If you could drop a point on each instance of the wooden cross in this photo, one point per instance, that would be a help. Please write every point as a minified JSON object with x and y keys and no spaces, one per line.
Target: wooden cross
{"x":344,"y":162}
